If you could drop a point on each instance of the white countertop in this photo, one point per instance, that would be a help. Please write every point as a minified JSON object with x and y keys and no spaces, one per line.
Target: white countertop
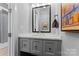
{"x":40,"y":36}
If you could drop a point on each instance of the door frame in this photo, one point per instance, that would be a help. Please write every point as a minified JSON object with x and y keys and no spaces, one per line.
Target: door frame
{"x":13,"y":29}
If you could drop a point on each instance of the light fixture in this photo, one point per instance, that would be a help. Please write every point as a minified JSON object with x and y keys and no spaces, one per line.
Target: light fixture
{"x":39,"y":4}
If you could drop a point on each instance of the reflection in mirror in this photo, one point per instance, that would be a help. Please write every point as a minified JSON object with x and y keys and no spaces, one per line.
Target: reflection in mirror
{"x":41,"y":19}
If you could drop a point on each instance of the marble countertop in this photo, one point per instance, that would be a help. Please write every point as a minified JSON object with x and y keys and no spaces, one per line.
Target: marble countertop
{"x":40,"y":36}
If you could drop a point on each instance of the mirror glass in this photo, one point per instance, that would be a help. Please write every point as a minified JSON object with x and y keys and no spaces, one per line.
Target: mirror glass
{"x":41,"y":19}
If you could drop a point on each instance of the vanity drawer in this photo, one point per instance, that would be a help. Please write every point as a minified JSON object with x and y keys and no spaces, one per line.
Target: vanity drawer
{"x":36,"y":46}
{"x":50,"y":48}
{"x":25,"y":45}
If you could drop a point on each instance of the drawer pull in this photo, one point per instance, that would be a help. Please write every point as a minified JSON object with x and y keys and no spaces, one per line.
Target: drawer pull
{"x":24,"y":45}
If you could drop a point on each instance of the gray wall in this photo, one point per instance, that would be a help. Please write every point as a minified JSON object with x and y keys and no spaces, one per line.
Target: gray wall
{"x":3,"y":23}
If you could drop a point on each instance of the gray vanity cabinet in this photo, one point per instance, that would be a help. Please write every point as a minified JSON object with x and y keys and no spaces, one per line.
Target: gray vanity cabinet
{"x":36,"y":46}
{"x":25,"y":45}
{"x":50,"y":48}
{"x":41,"y":47}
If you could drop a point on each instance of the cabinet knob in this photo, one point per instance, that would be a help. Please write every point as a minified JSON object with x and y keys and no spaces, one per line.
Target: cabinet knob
{"x":49,"y":49}
{"x":24,"y":45}
{"x":35,"y":47}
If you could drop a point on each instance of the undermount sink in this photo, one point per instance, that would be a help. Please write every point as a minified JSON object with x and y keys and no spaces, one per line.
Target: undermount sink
{"x":39,"y":34}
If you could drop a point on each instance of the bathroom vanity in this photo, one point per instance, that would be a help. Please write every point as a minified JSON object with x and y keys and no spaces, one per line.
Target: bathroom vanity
{"x":39,"y":45}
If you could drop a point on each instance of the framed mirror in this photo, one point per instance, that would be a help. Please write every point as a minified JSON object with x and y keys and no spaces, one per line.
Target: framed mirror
{"x":41,"y":19}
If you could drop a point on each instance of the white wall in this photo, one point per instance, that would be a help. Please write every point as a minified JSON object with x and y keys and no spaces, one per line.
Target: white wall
{"x":70,"y":42}
{"x":24,"y":17}
{"x":55,"y":9}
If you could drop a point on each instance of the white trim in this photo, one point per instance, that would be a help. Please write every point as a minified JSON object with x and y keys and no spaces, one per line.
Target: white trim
{"x":10,"y":31}
{"x":3,"y":8}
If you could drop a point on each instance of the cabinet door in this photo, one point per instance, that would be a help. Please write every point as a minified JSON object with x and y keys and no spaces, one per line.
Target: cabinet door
{"x":50,"y":48}
{"x":36,"y":47}
{"x":24,"y":45}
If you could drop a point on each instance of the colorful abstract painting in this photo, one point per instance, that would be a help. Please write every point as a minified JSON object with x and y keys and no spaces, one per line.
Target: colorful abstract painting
{"x":70,"y":16}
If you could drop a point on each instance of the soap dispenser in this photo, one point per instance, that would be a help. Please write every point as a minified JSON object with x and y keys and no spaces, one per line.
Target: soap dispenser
{"x":55,"y":23}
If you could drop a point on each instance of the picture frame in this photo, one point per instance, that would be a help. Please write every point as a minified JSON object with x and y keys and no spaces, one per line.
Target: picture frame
{"x":69,"y":17}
